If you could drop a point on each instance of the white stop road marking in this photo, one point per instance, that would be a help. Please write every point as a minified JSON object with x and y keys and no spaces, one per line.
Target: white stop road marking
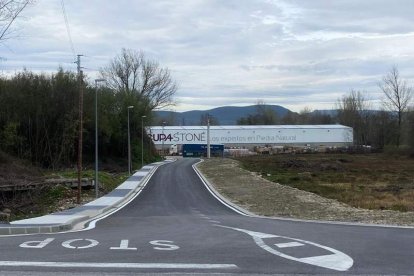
{"x":163,"y":245}
{"x":91,"y":243}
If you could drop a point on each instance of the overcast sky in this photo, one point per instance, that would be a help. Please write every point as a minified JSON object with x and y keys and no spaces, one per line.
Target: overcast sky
{"x":229,"y":52}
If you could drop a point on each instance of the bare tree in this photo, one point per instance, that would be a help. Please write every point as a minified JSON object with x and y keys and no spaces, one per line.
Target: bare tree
{"x":208,"y":117}
{"x":9,"y":12}
{"x":131,"y":72}
{"x":398,"y":96}
{"x":353,"y":111}
{"x":410,"y":129}
{"x":265,"y":114}
{"x":305,"y":115}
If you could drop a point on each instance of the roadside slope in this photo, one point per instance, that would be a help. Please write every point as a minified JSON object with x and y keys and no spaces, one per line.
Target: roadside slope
{"x":267,"y":198}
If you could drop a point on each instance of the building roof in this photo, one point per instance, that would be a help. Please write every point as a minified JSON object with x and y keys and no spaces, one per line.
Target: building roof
{"x":247,"y":127}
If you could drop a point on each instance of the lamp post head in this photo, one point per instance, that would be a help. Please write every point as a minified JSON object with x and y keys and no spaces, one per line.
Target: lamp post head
{"x":131,"y":106}
{"x":143,"y":116}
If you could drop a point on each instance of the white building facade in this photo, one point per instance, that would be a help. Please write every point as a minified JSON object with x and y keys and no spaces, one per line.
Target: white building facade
{"x":249,"y":136}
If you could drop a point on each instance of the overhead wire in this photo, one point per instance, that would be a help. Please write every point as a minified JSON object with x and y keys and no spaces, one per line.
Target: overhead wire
{"x":68,"y":28}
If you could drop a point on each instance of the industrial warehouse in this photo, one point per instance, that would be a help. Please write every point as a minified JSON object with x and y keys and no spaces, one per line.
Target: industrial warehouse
{"x":246,"y":139}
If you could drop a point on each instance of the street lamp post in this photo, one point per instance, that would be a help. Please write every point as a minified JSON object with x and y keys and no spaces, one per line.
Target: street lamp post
{"x":208,"y":136}
{"x":163,"y":138}
{"x":129,"y":143}
{"x":142,"y":140}
{"x":96,"y":137}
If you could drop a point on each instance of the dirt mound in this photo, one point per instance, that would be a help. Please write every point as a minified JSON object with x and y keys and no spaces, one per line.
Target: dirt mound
{"x":314,"y":165}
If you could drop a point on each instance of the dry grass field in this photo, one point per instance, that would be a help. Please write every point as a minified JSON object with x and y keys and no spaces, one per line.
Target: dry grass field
{"x":369,"y":181}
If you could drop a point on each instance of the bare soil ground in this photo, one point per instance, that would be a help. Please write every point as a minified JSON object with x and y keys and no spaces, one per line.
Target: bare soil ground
{"x":44,"y":198}
{"x":264,"y":197}
{"x":17,"y":172}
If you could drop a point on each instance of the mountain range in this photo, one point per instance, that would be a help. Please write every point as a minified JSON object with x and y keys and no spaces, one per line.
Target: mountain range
{"x":225,"y":115}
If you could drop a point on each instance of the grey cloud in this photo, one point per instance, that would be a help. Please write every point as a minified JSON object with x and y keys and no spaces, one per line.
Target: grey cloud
{"x":231,"y":52}
{"x":368,"y":16}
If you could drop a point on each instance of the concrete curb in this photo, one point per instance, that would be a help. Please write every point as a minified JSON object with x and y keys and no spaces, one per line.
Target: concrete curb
{"x":219,"y":196}
{"x":66,"y":220}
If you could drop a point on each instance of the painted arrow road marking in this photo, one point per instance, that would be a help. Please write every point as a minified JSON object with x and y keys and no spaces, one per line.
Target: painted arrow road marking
{"x":336,"y":261}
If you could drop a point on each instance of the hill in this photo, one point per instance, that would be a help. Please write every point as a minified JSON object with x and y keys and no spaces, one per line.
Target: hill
{"x":226,"y":115}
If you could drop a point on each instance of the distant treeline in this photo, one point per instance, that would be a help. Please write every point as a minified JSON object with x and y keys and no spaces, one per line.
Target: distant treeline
{"x":377,"y":128}
{"x":39,"y":119}
{"x":393,"y":126}
{"x":39,"y":113}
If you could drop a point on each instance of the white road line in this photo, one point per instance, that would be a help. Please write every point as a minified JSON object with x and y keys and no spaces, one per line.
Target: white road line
{"x":214,"y":221}
{"x":117,"y":265}
{"x":213,"y":194}
{"x":289,"y":244}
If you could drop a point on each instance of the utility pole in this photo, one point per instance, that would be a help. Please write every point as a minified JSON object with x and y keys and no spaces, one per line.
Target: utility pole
{"x":80,"y":136}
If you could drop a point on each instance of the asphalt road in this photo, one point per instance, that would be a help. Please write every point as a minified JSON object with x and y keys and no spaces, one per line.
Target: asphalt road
{"x":176,"y":226}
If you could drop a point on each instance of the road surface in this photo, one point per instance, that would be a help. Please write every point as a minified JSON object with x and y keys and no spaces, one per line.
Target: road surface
{"x":177,"y":226}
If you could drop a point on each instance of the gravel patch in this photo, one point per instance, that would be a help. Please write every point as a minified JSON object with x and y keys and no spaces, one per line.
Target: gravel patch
{"x":267,"y":198}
